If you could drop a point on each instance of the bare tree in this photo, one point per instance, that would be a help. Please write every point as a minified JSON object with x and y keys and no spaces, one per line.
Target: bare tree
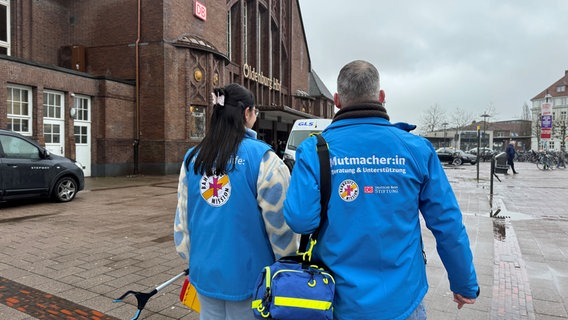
{"x":536,"y":130}
{"x":526,"y":115}
{"x":559,"y":129}
{"x":461,"y":118}
{"x":491,"y":111}
{"x":432,"y":118}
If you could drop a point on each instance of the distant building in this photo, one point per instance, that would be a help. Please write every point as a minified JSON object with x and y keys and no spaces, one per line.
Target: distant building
{"x":495,"y":135}
{"x":124,"y":86}
{"x":557,"y":95}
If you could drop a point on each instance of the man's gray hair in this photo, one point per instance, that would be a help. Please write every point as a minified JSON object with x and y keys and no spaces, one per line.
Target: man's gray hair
{"x":358,"y":81}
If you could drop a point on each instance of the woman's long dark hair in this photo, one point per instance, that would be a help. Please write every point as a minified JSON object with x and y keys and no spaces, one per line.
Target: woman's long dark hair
{"x":215,"y":154}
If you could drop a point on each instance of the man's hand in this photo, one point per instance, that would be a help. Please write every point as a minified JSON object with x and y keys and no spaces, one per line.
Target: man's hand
{"x":461,"y":300}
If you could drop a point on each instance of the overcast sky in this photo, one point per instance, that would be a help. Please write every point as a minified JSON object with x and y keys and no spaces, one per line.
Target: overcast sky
{"x":453,"y":53}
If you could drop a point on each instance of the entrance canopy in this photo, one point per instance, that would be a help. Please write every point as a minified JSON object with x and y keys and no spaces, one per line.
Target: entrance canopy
{"x":283,"y":114}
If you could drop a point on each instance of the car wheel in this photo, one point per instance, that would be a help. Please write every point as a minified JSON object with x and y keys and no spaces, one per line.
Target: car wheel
{"x":457,"y":161}
{"x":65,"y":190}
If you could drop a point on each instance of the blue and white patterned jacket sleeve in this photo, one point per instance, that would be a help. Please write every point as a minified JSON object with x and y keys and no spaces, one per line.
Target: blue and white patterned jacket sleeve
{"x":272,"y":184}
{"x":181,"y":231}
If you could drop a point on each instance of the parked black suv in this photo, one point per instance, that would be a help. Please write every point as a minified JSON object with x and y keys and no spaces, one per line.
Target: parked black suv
{"x":27,"y":171}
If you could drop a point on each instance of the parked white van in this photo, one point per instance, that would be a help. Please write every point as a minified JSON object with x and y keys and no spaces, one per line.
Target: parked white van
{"x":301,"y":130}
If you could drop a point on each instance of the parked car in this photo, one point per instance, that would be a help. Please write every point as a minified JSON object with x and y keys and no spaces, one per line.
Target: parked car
{"x":28,"y":170}
{"x":485,"y":153}
{"x":455,"y":157}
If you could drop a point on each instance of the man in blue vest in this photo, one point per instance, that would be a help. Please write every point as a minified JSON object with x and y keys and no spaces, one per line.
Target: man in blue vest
{"x":382,"y":177}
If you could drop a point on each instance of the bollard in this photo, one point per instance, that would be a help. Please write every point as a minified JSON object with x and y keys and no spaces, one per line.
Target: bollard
{"x":492,"y":174}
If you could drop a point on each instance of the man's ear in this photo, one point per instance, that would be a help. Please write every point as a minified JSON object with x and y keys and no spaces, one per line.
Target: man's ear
{"x":381,"y":96}
{"x":337,"y":101}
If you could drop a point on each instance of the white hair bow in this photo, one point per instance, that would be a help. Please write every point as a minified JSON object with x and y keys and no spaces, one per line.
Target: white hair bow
{"x":217,"y":99}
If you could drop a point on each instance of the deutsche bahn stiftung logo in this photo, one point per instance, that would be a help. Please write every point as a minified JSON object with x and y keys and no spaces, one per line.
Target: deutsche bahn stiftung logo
{"x":216,"y":190}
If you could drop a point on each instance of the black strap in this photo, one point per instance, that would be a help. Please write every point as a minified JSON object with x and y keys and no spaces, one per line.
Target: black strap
{"x":325,"y":181}
{"x":325,"y":189}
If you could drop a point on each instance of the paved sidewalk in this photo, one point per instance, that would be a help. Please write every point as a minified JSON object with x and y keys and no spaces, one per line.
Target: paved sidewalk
{"x":521,"y":254}
{"x":116,"y":236}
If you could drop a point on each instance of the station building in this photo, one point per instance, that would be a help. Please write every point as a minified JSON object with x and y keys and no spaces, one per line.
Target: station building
{"x":123,"y":86}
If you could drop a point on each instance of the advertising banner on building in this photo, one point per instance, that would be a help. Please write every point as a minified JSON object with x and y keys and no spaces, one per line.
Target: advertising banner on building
{"x":546,"y":120}
{"x":546,"y":109}
{"x":546,"y":126}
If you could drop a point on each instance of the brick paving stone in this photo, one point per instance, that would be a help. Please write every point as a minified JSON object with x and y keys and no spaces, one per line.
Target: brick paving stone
{"x":512,"y":298}
{"x":116,"y":236}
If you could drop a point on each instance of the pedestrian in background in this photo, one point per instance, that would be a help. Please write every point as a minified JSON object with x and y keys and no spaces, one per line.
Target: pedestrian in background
{"x":510,"y":151}
{"x":562,"y":157}
{"x":229,"y":222}
{"x":382,"y":177}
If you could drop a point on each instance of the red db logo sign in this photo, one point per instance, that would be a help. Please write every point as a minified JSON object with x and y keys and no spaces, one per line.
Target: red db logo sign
{"x":200,"y":10}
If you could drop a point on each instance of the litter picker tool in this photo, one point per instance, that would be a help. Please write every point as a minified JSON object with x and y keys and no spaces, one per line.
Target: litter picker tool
{"x":143,"y":297}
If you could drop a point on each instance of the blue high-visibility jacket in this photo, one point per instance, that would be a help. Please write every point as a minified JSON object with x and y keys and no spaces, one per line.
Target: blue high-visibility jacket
{"x":229,"y":227}
{"x":381,"y":178}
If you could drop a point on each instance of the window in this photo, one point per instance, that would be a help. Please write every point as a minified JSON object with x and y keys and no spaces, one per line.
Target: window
{"x":82,"y":105}
{"x":19,"y":111}
{"x":82,"y":108}
{"x":229,"y":34}
{"x":234,"y":32}
{"x":16,"y":148}
{"x":5,"y":27}
{"x":52,"y":133}
{"x":53,"y":105}
{"x":81,"y":134}
{"x":561,"y":89}
{"x":245,"y":30}
{"x":197,"y":130}
{"x":562,"y":115}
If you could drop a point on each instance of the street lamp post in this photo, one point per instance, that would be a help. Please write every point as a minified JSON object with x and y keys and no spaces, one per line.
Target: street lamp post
{"x":445,"y":124}
{"x":547,"y":100}
{"x":485,"y":116}
{"x":563,"y":133}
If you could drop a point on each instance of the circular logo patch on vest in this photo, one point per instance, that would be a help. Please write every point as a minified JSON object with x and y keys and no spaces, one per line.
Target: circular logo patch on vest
{"x":216,"y":190}
{"x":348,"y":190}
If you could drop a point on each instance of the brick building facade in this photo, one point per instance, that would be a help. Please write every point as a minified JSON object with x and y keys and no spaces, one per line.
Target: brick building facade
{"x":123,"y":85}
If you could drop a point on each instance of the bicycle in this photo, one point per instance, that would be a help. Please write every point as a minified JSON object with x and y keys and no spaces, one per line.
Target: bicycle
{"x":561,"y":160}
{"x":546,"y":161}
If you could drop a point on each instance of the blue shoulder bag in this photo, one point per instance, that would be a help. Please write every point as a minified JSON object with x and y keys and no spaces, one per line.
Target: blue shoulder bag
{"x":294,"y":288}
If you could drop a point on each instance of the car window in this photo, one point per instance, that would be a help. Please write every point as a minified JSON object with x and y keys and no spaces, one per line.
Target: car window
{"x":17,"y":148}
{"x":297,"y":137}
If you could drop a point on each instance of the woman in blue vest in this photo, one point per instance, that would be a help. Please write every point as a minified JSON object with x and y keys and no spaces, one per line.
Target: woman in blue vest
{"x":229,"y":222}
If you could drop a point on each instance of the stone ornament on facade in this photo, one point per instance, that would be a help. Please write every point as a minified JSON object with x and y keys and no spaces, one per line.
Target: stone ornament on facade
{"x":197,"y":75}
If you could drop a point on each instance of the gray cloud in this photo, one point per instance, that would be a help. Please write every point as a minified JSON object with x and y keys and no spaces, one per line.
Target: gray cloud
{"x":453,"y":53}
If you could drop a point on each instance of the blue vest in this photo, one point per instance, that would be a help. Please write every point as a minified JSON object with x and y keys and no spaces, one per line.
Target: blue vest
{"x":229,"y":245}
